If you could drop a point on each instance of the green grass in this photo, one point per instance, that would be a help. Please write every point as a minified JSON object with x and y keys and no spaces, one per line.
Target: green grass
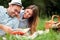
{"x":41,"y":24}
{"x":49,"y":36}
{"x":52,"y":35}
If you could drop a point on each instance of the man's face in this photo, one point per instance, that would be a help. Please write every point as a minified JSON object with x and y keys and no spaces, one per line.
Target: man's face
{"x":14,"y":10}
{"x":28,"y":13}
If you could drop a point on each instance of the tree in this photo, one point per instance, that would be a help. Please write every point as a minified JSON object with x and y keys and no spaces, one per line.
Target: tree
{"x":4,"y":2}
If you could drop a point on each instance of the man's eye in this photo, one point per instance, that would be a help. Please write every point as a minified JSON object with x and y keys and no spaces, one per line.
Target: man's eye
{"x":27,"y":11}
{"x":17,"y":11}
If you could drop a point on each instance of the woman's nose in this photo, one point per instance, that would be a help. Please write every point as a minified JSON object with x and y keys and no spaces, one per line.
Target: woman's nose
{"x":27,"y":13}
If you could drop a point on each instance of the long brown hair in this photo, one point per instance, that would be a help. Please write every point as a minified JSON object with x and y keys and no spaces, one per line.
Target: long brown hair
{"x":32,"y":21}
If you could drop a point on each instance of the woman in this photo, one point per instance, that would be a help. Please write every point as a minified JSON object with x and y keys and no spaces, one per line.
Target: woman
{"x":29,"y":18}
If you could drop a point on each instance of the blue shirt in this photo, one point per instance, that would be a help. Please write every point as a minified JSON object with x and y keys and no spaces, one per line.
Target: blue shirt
{"x":23,"y":22}
{"x":5,"y":19}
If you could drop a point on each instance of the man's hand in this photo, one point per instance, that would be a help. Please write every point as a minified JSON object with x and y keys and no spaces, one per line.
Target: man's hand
{"x":18,"y":32}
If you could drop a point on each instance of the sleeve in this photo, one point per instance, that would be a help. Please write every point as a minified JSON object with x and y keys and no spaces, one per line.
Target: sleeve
{"x":13,"y":23}
{"x":2,"y":11}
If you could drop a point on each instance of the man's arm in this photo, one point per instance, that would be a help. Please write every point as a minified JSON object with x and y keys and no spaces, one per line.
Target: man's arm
{"x":9,"y":30}
{"x":5,"y":28}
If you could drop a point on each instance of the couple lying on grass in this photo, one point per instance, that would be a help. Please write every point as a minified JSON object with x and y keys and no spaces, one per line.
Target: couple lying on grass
{"x":27,"y":22}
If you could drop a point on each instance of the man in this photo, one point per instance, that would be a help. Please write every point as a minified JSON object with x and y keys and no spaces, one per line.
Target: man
{"x":10,"y":16}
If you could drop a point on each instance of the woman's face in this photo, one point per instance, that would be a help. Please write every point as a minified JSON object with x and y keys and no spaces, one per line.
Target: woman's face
{"x":28,"y":13}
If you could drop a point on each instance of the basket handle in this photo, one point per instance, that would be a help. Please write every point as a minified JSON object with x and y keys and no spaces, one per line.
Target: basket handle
{"x":54,"y":17}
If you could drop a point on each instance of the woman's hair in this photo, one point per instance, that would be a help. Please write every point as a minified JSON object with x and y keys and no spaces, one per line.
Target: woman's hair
{"x":32,"y":21}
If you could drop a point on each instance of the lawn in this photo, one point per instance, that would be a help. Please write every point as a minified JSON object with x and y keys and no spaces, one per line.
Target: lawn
{"x":52,"y":35}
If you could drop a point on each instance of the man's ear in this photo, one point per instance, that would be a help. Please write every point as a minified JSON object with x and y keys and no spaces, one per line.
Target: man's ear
{"x":10,"y":5}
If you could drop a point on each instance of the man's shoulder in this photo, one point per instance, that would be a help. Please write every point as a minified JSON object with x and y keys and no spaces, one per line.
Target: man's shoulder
{"x":2,"y":8}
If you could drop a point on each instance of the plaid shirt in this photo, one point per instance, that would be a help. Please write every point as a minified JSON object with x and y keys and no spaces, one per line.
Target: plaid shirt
{"x":5,"y":19}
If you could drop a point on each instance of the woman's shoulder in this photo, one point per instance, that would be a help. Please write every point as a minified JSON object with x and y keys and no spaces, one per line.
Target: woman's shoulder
{"x":22,"y":11}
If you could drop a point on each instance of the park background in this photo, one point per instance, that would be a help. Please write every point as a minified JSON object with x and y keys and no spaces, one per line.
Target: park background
{"x":47,"y":8}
